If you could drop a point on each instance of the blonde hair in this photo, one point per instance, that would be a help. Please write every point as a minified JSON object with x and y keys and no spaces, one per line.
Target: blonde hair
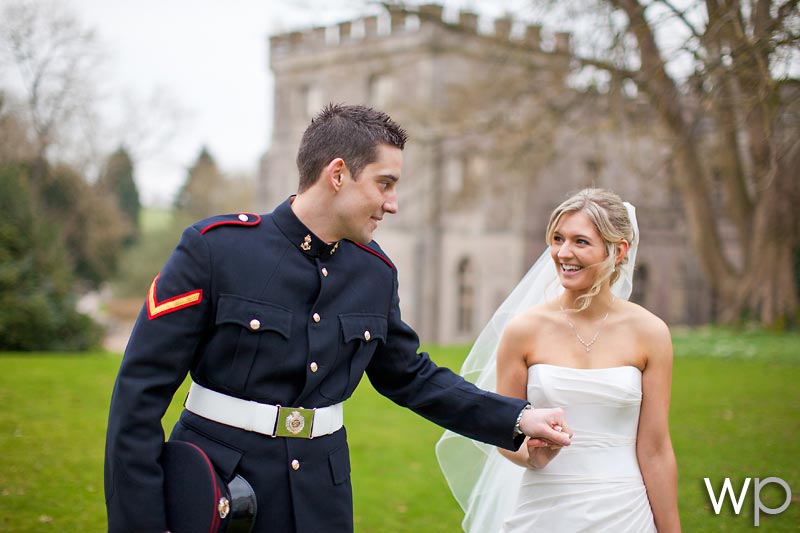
{"x":608,"y":214}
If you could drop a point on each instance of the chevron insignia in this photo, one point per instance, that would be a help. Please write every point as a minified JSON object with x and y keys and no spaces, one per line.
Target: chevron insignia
{"x":156,"y":309}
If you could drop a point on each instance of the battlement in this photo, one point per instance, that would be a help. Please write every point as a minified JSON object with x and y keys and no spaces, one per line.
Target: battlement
{"x":404,"y":22}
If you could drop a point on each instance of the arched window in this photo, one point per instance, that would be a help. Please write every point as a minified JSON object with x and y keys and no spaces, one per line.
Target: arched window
{"x":466,"y":295}
{"x":639,"y":291}
{"x":309,"y":100}
{"x":381,"y":90}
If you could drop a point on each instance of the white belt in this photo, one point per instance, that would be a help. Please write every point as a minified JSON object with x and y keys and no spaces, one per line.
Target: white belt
{"x":272,"y":420}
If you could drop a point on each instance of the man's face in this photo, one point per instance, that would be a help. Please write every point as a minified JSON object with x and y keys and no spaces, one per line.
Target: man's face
{"x":362,"y":203}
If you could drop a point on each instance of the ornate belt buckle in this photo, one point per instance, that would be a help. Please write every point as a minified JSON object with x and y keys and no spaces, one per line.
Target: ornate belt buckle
{"x":295,"y":422}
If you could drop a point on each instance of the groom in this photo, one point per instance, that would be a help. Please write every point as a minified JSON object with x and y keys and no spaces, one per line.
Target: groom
{"x":288,"y":309}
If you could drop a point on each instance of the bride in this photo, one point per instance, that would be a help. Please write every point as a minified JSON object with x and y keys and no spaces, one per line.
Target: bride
{"x":567,"y":337}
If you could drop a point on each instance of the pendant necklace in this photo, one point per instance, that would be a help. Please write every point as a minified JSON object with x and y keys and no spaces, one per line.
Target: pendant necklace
{"x":588,"y":345}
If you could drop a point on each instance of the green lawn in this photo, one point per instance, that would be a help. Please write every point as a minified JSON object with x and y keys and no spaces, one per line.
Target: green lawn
{"x":735,"y":412}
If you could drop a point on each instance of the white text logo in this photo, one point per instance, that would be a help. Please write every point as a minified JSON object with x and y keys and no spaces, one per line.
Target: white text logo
{"x":758,"y":506}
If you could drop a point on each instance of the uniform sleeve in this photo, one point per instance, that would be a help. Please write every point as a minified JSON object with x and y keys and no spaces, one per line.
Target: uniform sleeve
{"x":163,"y":344}
{"x":412,"y":380}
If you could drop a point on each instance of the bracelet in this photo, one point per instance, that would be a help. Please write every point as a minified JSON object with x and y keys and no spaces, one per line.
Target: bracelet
{"x":517,"y":430}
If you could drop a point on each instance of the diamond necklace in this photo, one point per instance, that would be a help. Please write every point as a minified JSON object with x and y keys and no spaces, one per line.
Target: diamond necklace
{"x":588,"y":345}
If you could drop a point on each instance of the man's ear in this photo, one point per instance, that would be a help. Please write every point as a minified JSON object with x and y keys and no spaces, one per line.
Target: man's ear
{"x":333,"y":173}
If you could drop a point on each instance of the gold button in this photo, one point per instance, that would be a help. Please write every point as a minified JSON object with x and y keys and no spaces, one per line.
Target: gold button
{"x":325,"y":272}
{"x":367,"y":335}
{"x":243,"y":217}
{"x":255,"y":324}
{"x":313,"y":366}
{"x":316,"y":317}
{"x":295,"y":464}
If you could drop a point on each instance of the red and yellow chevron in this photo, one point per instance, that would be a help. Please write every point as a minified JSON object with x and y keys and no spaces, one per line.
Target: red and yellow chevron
{"x":181,"y":301}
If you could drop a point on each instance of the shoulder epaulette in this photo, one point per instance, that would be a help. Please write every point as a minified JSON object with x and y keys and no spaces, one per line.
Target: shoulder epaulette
{"x":239,"y":219}
{"x":375,"y":253}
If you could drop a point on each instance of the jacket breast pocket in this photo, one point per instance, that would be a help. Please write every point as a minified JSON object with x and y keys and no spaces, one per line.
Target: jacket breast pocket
{"x":259,"y":327}
{"x":360,"y":334}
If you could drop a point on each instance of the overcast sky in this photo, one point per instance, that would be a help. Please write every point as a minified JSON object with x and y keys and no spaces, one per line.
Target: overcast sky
{"x":196,"y":72}
{"x":199,"y":65}
{"x":206,"y":62}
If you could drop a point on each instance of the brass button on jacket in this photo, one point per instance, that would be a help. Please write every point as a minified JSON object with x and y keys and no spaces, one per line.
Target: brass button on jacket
{"x":223,"y":275}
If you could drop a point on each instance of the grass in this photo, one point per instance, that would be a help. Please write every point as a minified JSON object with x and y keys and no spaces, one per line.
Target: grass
{"x":154,"y":220}
{"x":734,"y":414}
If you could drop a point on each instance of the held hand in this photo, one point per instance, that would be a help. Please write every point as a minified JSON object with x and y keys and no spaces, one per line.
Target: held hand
{"x":547,"y":425}
{"x":540,"y":453}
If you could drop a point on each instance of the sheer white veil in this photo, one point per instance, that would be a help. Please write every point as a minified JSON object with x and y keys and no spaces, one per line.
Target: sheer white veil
{"x":484,"y":482}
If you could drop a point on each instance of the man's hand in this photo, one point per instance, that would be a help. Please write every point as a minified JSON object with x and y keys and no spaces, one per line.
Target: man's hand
{"x":546,"y":425}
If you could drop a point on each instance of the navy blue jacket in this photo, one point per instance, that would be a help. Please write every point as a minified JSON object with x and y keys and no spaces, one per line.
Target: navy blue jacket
{"x":225,"y":272}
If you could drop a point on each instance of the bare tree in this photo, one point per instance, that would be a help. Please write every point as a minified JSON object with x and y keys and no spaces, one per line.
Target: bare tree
{"x":203,"y":192}
{"x":16,"y":144}
{"x":718,"y":75}
{"x":733,"y":108}
{"x":51,"y":60}
{"x":50,"y":77}
{"x":148,"y":134}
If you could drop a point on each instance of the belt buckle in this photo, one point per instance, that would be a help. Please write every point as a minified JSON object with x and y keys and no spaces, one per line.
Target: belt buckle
{"x":294,"y":422}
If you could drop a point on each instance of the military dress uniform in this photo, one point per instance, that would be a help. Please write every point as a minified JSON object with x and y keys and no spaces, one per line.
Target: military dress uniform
{"x":258,"y":309}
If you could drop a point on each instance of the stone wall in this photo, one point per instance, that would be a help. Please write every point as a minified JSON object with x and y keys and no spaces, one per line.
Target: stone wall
{"x":472,"y":211}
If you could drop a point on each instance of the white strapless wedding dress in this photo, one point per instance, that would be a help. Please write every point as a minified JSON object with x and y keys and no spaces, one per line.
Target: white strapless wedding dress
{"x":595,"y":484}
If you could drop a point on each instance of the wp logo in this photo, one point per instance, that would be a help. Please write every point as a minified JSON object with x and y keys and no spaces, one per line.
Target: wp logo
{"x":758,"y":506}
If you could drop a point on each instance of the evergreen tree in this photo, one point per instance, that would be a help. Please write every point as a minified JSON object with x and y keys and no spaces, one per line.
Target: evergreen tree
{"x":203,"y":192}
{"x":37,"y":303}
{"x":88,"y":224}
{"x":117,"y":180}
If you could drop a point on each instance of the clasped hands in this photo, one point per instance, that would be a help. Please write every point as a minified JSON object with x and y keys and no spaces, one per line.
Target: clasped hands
{"x":548,"y":432}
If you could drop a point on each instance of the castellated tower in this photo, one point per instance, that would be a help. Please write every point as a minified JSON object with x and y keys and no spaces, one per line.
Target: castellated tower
{"x":497,"y":139}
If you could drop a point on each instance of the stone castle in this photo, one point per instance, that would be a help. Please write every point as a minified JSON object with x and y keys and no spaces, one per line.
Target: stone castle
{"x":498,"y":138}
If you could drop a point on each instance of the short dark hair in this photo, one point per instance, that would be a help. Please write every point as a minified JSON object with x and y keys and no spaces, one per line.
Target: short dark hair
{"x":352,"y":132}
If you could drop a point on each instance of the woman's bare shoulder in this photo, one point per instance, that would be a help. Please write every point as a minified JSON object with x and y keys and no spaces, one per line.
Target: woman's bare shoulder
{"x":642,"y":318}
{"x":531,"y":320}
{"x":648,"y":327}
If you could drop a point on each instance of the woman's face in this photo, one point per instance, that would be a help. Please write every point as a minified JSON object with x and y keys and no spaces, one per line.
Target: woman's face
{"x":578,"y":251}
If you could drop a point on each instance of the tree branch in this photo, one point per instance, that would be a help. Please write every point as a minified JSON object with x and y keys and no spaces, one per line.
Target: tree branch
{"x":682,"y":17}
{"x":666,"y":97}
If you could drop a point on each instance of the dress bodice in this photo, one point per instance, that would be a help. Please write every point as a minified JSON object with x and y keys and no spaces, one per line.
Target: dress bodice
{"x":594,"y":484}
{"x":601,"y":404}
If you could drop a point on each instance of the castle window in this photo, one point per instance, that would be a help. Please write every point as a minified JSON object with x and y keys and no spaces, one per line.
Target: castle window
{"x":310,"y":100}
{"x":466,"y":295}
{"x":639,"y":291}
{"x":593,"y":167}
{"x":717,"y":187}
{"x":380,"y":90}
{"x":454,"y":174}
{"x":476,"y":172}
